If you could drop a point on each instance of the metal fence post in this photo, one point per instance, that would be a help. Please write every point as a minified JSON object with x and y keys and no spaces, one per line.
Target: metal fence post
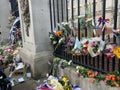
{"x":50,"y":7}
{"x":103,"y":33}
{"x":78,"y":19}
{"x":62,"y":10}
{"x":67,"y":10}
{"x":72,"y":8}
{"x":94,"y":12}
{"x":54,"y":14}
{"x":86,"y":16}
{"x":58,"y":18}
{"x":115,"y":27}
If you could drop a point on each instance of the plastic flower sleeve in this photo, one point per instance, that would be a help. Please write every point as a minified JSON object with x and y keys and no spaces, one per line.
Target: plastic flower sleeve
{"x":77,"y":44}
{"x":90,"y":50}
{"x":95,"y":46}
{"x":102,"y":44}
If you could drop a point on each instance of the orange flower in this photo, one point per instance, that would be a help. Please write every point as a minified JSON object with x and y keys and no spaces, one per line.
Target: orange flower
{"x":89,"y":73}
{"x":118,"y":77}
{"x":116,"y":84}
{"x":113,"y":78}
{"x":92,"y":75}
{"x":59,"y":33}
{"x":108,"y":77}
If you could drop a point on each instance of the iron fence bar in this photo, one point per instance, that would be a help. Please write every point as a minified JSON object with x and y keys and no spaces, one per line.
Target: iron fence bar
{"x":108,"y":63}
{"x":103,"y":32}
{"x":86,"y":60}
{"x":67,"y":10}
{"x":115,"y":27}
{"x":51,"y":15}
{"x":82,"y":59}
{"x":58,"y":18}
{"x":103,"y":15}
{"x":94,"y":59}
{"x":78,"y":19}
{"x":72,"y":9}
{"x":79,"y":59}
{"x":54,"y":13}
{"x":119,"y":65}
{"x":76,"y":59}
{"x":94,"y":10}
{"x":62,"y":10}
{"x":86,"y":18}
{"x":89,"y":60}
{"x":98,"y":61}
{"x":115,"y":17}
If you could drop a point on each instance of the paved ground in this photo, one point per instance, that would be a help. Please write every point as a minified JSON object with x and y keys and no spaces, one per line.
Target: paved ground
{"x":4,"y":14}
{"x":29,"y":84}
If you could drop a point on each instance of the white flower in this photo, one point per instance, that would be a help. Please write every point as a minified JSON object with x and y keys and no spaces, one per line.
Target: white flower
{"x":77,"y":67}
{"x":69,"y":63}
{"x":47,"y":75}
{"x":77,"y":71}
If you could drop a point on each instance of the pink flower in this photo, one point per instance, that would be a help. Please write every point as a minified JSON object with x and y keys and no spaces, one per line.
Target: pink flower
{"x":77,"y":73}
{"x":5,"y":51}
{"x":96,"y":73}
{"x":8,"y":50}
{"x":11,"y":50}
{"x":105,"y":81}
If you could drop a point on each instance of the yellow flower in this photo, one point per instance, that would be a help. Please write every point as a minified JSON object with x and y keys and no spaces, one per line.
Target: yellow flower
{"x":65,"y":79}
{"x":116,"y":51}
{"x":59,"y":33}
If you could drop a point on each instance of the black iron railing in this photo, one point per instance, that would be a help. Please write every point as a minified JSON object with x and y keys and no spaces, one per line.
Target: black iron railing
{"x":99,"y":63}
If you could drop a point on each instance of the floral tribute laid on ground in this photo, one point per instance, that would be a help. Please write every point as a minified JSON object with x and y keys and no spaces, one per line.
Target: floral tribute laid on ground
{"x":112,"y":79}
{"x":54,"y":83}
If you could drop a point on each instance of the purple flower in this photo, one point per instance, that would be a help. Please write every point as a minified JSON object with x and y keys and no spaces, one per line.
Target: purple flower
{"x":61,"y":65}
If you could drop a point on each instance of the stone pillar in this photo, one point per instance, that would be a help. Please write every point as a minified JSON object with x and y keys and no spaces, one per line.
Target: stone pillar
{"x":35,"y":25}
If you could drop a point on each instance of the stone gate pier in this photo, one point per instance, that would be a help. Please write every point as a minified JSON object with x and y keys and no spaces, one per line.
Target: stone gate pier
{"x":35,"y":25}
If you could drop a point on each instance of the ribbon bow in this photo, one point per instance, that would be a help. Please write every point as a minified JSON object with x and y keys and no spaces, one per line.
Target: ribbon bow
{"x":101,"y":20}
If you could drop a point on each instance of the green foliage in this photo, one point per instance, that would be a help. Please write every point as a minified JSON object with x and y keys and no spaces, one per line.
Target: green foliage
{"x":1,"y":51}
{"x":86,"y":73}
{"x":82,"y":23}
{"x":99,"y":77}
{"x":83,"y":72}
{"x":54,"y":66}
{"x":67,"y":28}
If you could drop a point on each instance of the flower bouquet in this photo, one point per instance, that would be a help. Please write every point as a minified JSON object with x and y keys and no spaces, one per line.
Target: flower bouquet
{"x":84,"y":46}
{"x":55,"y":37}
{"x":8,"y":53}
{"x":96,"y":45}
{"x":77,"y":47}
{"x":80,"y":46}
{"x":113,"y":79}
{"x":108,"y":51}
